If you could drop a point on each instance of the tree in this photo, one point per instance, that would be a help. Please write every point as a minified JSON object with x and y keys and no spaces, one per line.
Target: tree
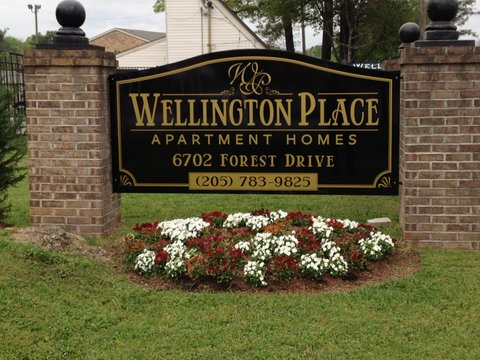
{"x":40,"y":39}
{"x":274,"y":18}
{"x":315,"y":51}
{"x":352,"y":30}
{"x":11,"y":44}
{"x":466,"y":8}
{"x":360,"y":30}
{"x":12,"y":150}
{"x":159,"y":6}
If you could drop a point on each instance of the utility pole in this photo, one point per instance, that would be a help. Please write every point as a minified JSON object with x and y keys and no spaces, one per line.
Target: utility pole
{"x":422,"y":16}
{"x":34,"y":9}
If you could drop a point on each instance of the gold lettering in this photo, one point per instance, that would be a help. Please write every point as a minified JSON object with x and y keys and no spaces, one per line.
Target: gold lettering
{"x":341,"y":110}
{"x":323,"y":139}
{"x":305,"y":109}
{"x":209,"y":138}
{"x":291,"y":139}
{"x":307,"y":139}
{"x":267,"y":138}
{"x":309,"y":161}
{"x":223,"y":139}
{"x":195,"y":139}
{"x":178,"y":111}
{"x":155,"y":140}
{"x":286,"y":113}
{"x":239,"y":139}
{"x":147,"y":112}
{"x":352,"y":139}
{"x":322,"y":113}
{"x":191,"y":107}
{"x":167,"y":110}
{"x":263,"y":120}
{"x":204,"y":112}
{"x":239,"y":109}
{"x":232,"y":160}
{"x":353,"y":112}
{"x":372,"y":106}
{"x":339,"y":139}
{"x":181,"y":140}
{"x":250,"y":103}
{"x":221,"y":112}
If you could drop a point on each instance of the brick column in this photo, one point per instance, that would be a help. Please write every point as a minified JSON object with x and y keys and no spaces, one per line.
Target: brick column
{"x":68,"y":129}
{"x":440,"y":146}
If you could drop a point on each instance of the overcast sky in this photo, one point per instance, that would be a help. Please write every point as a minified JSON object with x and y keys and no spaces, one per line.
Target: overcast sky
{"x":103,"y":15}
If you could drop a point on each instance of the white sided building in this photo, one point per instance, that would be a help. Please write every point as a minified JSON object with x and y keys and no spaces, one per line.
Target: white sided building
{"x":193,"y":27}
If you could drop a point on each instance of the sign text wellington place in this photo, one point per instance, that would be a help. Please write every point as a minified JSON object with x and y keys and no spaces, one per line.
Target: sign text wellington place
{"x":255,"y":121}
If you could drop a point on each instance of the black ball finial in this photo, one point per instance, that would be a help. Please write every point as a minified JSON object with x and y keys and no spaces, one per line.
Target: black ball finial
{"x":409,"y":32}
{"x":70,"y":13}
{"x":442,"y":10}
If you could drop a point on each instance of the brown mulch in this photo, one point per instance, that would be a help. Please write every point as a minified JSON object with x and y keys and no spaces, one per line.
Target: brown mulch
{"x":404,"y":262}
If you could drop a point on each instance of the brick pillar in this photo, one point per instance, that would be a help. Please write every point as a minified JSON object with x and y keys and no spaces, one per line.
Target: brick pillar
{"x":440,"y":146}
{"x":68,"y":129}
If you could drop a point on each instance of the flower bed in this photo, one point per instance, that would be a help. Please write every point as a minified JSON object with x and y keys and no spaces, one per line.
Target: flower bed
{"x":255,"y":246}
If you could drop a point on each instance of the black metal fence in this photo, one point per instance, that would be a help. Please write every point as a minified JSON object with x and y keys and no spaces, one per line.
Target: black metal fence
{"x":11,"y":76}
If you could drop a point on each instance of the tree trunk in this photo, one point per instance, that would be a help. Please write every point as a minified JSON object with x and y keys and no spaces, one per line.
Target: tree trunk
{"x":344,"y":32}
{"x":288,"y":28}
{"x":327,"y":33}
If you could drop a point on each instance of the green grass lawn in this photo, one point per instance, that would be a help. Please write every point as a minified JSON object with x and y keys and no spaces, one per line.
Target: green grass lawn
{"x":54,"y":306}
{"x":61,"y":307}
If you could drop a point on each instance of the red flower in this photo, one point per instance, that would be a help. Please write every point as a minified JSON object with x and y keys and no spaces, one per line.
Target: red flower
{"x":298,"y":218}
{"x":335,"y":224}
{"x":161,"y":257}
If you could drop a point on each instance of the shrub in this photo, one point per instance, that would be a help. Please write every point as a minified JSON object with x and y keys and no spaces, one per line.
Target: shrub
{"x":12,"y":150}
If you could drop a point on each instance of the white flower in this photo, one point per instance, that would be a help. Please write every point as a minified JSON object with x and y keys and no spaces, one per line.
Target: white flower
{"x":244,"y":246}
{"x":182,"y":229}
{"x":277,"y":215}
{"x":349,"y":224}
{"x":145,"y":262}
{"x":254,"y":272}
{"x":285,"y":245}
{"x":236,"y":220}
{"x":320,"y":227}
{"x":178,"y":257}
{"x":338,"y":266}
{"x":257,"y":222}
{"x":376,"y":245}
{"x":313,"y":265}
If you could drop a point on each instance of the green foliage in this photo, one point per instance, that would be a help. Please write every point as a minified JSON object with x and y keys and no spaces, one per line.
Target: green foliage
{"x":11,"y":44}
{"x":354,"y":30}
{"x":274,"y":18}
{"x":12,"y":149}
{"x":40,"y":39}
{"x":378,"y":38}
{"x":315,"y":51}
{"x":159,"y":6}
{"x":466,"y":8}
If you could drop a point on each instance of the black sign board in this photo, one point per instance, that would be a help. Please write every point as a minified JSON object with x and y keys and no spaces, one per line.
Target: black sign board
{"x":255,"y":121}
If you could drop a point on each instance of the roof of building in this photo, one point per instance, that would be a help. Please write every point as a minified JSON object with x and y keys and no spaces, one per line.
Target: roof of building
{"x":148,"y":36}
